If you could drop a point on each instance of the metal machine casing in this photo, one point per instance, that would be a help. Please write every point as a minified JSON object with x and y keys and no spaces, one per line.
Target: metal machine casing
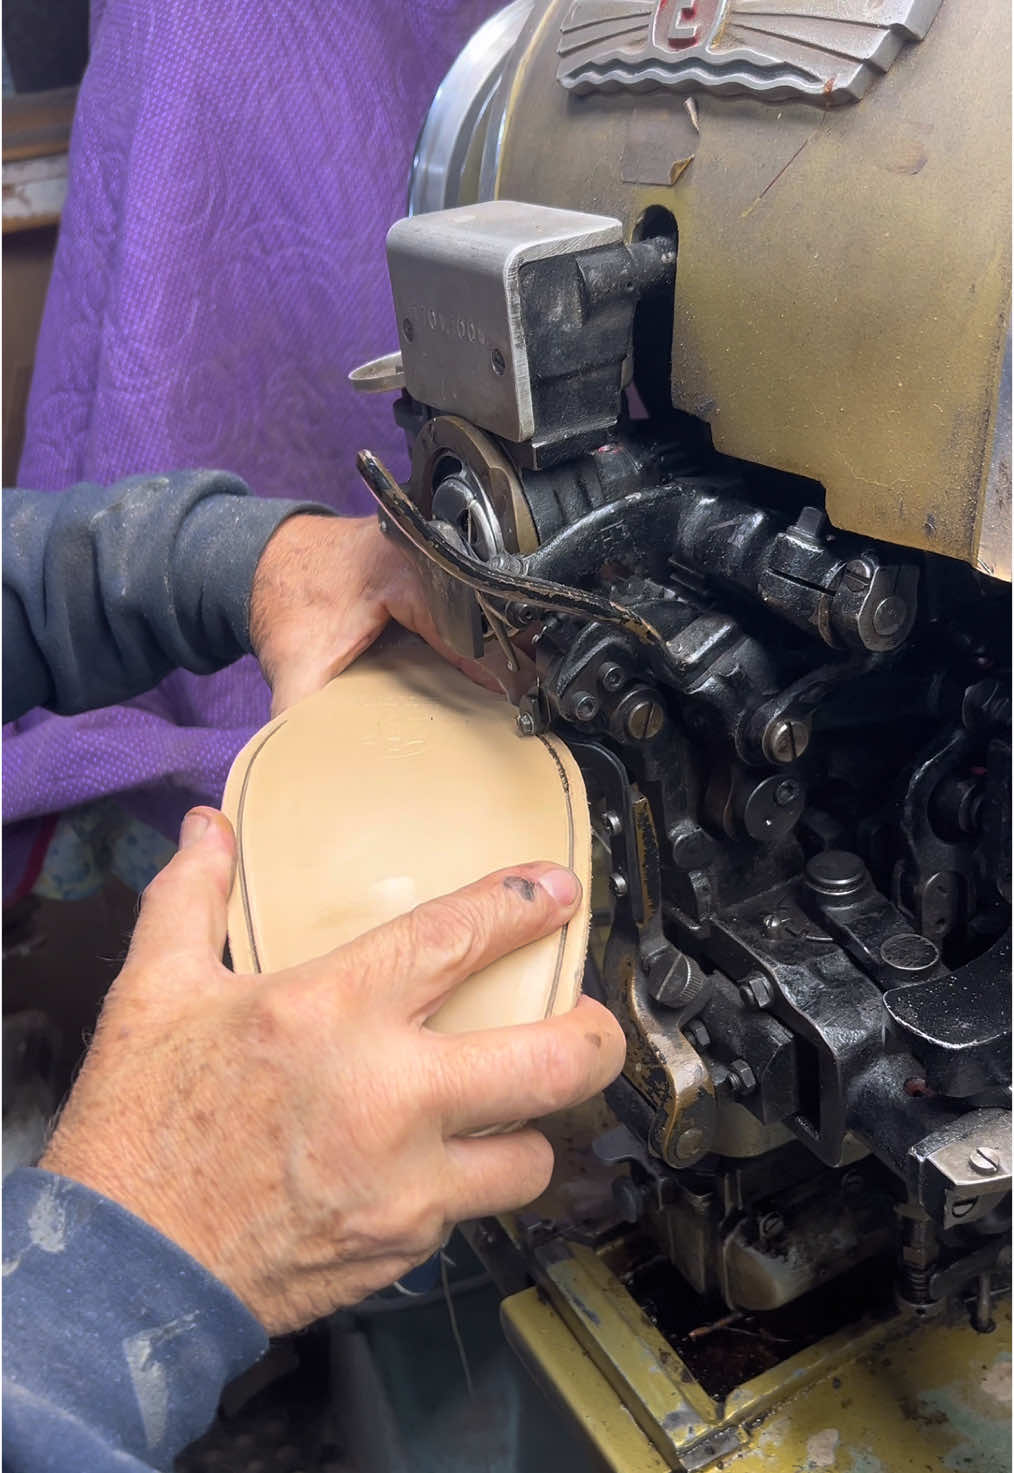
{"x":842,"y":309}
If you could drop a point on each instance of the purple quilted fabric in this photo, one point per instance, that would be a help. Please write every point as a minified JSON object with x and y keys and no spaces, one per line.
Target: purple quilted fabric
{"x":234,"y":169}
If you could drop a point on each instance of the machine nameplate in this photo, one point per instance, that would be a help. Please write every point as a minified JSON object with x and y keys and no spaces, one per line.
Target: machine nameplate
{"x":820,"y":51}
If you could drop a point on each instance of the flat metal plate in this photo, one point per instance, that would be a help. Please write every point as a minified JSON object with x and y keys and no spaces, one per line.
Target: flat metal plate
{"x":454,"y":275}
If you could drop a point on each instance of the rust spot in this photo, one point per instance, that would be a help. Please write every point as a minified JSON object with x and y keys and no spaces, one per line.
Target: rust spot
{"x":520,"y":886}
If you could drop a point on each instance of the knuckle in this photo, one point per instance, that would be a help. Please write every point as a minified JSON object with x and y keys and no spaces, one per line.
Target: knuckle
{"x":449,"y":931}
{"x":564,"y":1067}
{"x":541,"y":1162}
{"x":269,"y":1015}
{"x":422,"y":1229}
{"x":448,"y":1085}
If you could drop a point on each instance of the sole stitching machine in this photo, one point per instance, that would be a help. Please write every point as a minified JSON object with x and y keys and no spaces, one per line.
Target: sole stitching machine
{"x":704,"y":363}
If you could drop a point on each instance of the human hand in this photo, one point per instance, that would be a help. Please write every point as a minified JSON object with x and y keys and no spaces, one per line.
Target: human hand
{"x":304,"y":1135}
{"x":324,"y":589}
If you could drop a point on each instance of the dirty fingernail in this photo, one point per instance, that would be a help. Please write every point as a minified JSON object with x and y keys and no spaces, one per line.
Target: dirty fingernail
{"x":193,"y":829}
{"x":562,"y":884}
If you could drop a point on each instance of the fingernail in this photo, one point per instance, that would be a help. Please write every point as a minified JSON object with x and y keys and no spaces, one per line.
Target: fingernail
{"x":193,"y":829}
{"x":562,"y":884}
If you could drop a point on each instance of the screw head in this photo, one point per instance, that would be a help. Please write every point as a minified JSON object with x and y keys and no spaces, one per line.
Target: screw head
{"x":908,"y":952}
{"x":860,"y":570}
{"x":786,"y":792}
{"x":497,"y":361}
{"x":526,"y":724}
{"x":889,"y":616}
{"x":771,"y":1225}
{"x":671,"y":981}
{"x":689,"y":1143}
{"x":611,"y":677}
{"x":584,"y":706}
{"x":985,"y":1160}
{"x":644,"y":720}
{"x":835,"y":873}
{"x":784,"y":740}
{"x":618,"y":885}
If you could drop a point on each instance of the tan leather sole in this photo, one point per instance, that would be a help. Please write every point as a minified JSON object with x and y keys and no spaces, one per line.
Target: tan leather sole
{"x":399,"y":782}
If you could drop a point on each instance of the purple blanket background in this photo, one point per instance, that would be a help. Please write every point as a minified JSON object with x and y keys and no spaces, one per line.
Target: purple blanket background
{"x":234,"y":167}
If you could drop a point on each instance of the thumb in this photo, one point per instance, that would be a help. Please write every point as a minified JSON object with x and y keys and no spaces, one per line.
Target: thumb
{"x":184,"y":907}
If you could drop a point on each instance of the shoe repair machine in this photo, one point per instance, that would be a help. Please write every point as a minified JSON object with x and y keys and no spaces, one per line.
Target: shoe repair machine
{"x":705,"y":365}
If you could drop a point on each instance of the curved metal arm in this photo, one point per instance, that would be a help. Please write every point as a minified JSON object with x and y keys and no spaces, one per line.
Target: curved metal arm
{"x":488,"y":581}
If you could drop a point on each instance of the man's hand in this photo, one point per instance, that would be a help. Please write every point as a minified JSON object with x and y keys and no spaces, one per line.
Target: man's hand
{"x":324,"y":589}
{"x":304,"y":1135}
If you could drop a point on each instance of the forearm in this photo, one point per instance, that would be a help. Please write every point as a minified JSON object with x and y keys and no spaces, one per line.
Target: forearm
{"x":107,"y":589}
{"x":117,"y":1344}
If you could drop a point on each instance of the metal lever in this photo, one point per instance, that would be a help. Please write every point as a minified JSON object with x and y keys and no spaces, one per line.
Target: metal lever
{"x":491,"y":582}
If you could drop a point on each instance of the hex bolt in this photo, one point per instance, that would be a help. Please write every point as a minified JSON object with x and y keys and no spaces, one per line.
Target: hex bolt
{"x":756,"y":991}
{"x":618,"y":885}
{"x":785,"y":739}
{"x":697,"y":1034}
{"x":584,"y":706}
{"x":742,"y":1079}
{"x":985,"y":1160}
{"x":611,"y":676}
{"x":526,"y":724}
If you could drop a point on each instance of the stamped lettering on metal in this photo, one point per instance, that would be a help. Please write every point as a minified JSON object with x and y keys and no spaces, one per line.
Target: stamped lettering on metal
{"x":819,"y":51}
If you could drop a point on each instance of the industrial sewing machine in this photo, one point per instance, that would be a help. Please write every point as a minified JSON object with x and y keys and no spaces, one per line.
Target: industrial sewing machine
{"x":704,"y":362}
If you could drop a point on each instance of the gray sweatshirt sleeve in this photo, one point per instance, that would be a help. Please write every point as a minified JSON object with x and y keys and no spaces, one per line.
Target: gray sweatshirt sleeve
{"x":107,"y":589}
{"x":116,"y":1344}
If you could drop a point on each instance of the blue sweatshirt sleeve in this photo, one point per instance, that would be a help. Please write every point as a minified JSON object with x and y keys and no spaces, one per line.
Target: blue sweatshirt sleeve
{"x":107,"y":589}
{"x":116,"y":1343}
